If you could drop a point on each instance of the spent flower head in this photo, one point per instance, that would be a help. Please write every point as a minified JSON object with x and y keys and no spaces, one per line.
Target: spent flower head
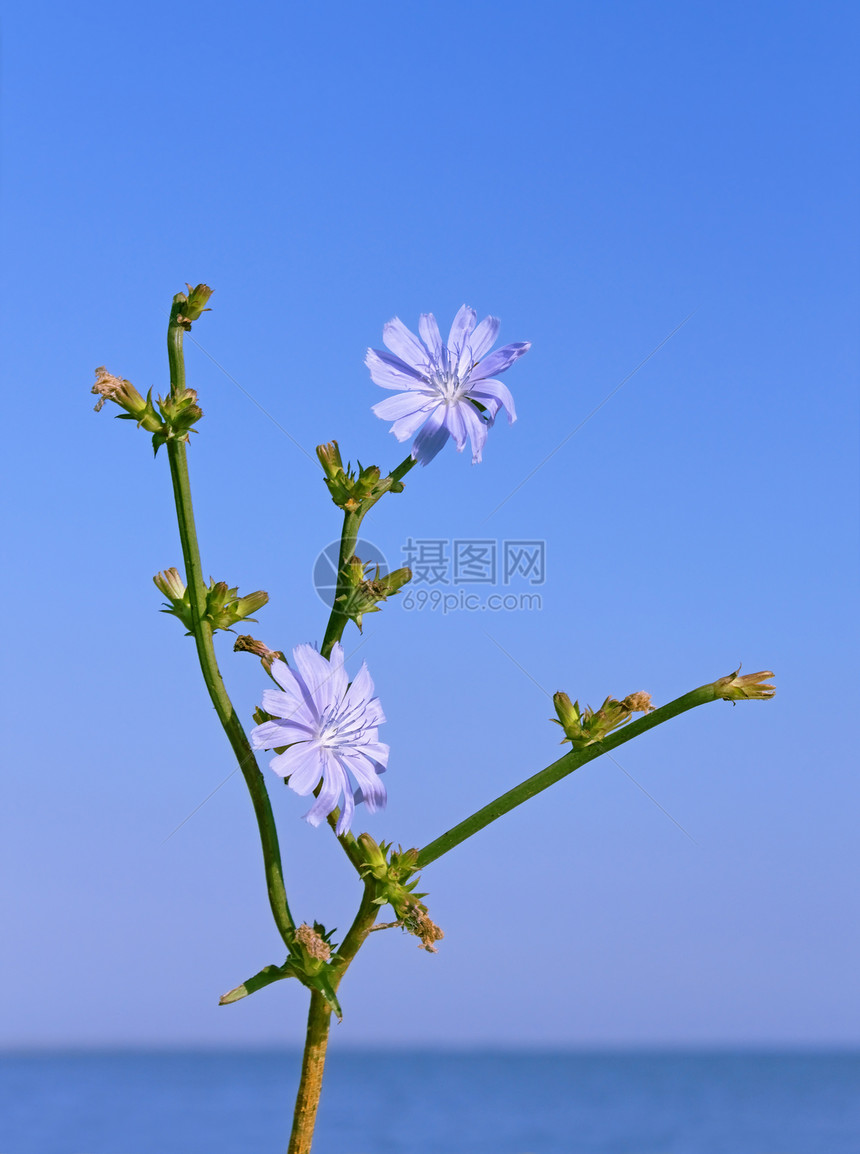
{"x":443,"y":389}
{"x":327,"y":730}
{"x":745,"y":687}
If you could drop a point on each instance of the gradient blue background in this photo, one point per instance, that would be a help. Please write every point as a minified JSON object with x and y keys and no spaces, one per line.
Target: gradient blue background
{"x":592,"y":174}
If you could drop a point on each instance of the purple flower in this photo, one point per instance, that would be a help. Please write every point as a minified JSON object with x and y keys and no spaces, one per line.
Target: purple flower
{"x":443,"y":390}
{"x":330,"y":728}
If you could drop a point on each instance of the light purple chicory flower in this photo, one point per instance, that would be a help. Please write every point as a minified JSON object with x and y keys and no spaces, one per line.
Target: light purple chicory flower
{"x":440,"y":386}
{"x":330,"y":728}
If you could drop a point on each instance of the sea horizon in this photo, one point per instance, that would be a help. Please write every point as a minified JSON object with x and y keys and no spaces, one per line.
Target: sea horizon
{"x":396,"y":1100}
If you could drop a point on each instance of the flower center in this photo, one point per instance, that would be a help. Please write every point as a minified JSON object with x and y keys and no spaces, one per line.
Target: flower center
{"x":450,"y":380}
{"x":338,"y":729}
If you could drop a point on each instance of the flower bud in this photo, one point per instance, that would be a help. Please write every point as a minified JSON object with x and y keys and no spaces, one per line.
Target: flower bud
{"x":393,"y":582}
{"x":367,"y":480}
{"x":363,"y":594}
{"x":180,"y":411}
{"x":568,"y":716}
{"x":329,"y":458}
{"x":173,"y":587}
{"x":374,"y":856}
{"x":170,"y":584}
{"x":250,"y":604}
{"x":347,"y":490}
{"x":586,"y":728}
{"x":191,"y":307}
{"x":224,"y":607}
{"x":748,"y":687}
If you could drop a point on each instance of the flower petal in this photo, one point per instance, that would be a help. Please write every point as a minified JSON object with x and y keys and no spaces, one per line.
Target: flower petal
{"x":404,"y":344}
{"x":494,"y":391}
{"x":326,"y":681}
{"x":291,"y":707}
{"x":377,"y":751}
{"x":455,"y":424}
{"x":407,"y":426}
{"x":361,"y":690}
{"x":498,"y":361}
{"x":477,"y":428}
{"x":335,"y":782}
{"x":302,"y":764}
{"x":404,"y":404}
{"x":346,"y":813}
{"x":389,"y":372}
{"x":484,"y":337}
{"x":431,"y":437}
{"x":371,"y":789}
{"x":273,"y":734}
{"x":286,"y":678}
{"x":461,"y":329}
{"x":373,"y":714}
{"x":428,"y":330}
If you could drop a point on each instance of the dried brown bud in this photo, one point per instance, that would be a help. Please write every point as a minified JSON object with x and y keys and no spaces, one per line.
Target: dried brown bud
{"x":315,"y":945}
{"x":638,"y":702}
{"x":111,"y":388}
{"x":418,"y":922}
{"x":248,"y":644}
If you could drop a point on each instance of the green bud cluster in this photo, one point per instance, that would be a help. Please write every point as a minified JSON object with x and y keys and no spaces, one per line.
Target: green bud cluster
{"x":180,"y":411}
{"x":223,"y":605}
{"x":347,"y":490}
{"x":362,"y":593}
{"x":189,"y":308}
{"x":392,"y":871}
{"x":582,"y":728}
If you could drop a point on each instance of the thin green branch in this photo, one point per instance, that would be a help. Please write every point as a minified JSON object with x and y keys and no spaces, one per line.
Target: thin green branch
{"x":202,"y":631}
{"x":561,"y":768}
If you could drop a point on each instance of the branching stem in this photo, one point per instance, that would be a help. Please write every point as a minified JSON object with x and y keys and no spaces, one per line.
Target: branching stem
{"x":202,"y":631}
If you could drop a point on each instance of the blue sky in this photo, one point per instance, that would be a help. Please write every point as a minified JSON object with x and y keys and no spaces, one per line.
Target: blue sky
{"x":597,"y":175}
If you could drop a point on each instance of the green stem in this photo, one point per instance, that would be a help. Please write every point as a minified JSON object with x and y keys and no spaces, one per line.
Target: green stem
{"x":368,"y":912}
{"x":175,"y":355}
{"x":319,"y":1023}
{"x":202,"y":631}
{"x":337,"y":620}
{"x":310,"y":1083}
{"x":349,"y":535}
{"x":559,"y":769}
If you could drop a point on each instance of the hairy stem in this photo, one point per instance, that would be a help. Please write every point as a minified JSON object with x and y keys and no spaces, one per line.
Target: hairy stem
{"x":310,"y":1083}
{"x":319,"y":1022}
{"x":559,"y":769}
{"x":202,"y":631}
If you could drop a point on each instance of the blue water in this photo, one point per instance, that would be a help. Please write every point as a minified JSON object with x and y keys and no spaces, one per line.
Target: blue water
{"x":434,"y":1103}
